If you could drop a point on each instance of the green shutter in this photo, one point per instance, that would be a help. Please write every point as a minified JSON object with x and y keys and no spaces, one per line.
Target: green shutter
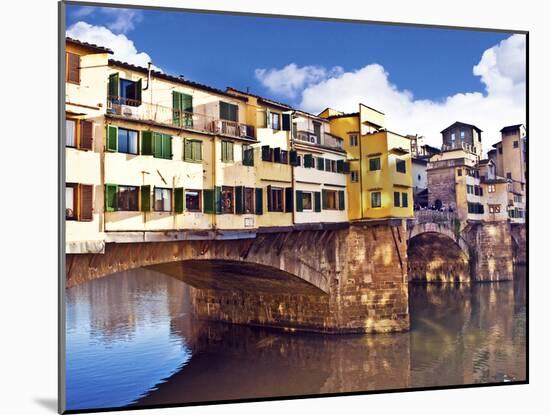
{"x":340,"y":166}
{"x":166,"y":146}
{"x":341,"y":200}
{"x":293,"y":158}
{"x":147,"y":143}
{"x":218,"y":199}
{"x":145,"y":198}
{"x":405,"y":197}
{"x":239,"y":200}
{"x":308,"y":160}
{"x":299,"y":201}
{"x":112,"y":138}
{"x":325,"y":199}
{"x":179,"y":200}
{"x":317,"y":201}
{"x":259,"y":201}
{"x":114,"y":85}
{"x":197,"y":150}
{"x":289,"y":202}
{"x":157,"y":145}
{"x":321,"y":163}
{"x":188,"y":150}
{"x":187,"y":106}
{"x":110,"y":197}
{"x":286,"y":122}
{"x":176,"y":108}
{"x":208,"y":201}
{"x":269,"y":204}
{"x":138,"y":92}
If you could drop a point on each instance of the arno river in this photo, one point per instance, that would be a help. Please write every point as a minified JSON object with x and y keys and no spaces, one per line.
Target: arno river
{"x":131,"y":339}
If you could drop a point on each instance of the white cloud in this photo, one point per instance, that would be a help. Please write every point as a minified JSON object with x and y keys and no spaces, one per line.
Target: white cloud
{"x":123,"y":20}
{"x":122,"y":47}
{"x":291,"y":79}
{"x":501,"y":69}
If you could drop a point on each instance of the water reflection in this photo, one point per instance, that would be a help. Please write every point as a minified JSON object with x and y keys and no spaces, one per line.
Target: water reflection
{"x":131,"y":339}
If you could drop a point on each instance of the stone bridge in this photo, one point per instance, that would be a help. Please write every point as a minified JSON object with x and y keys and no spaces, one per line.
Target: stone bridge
{"x":336,"y":278}
{"x":442,"y":248}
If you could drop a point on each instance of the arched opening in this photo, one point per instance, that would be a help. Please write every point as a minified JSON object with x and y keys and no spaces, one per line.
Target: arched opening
{"x":435,"y":257}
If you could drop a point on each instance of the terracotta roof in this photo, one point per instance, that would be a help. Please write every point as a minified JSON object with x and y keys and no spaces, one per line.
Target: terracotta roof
{"x":260,"y":98}
{"x":91,"y":46}
{"x":175,"y":79}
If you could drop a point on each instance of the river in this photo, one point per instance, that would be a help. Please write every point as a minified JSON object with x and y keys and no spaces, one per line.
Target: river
{"x":132,"y":340}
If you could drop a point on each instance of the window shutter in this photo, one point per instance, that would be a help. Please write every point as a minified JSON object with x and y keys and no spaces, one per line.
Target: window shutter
{"x":187,"y":150}
{"x":277,"y":155}
{"x":208,"y":201}
{"x":346,"y":167}
{"x":114,"y":82}
{"x":340,"y":166}
{"x":289,"y":202}
{"x":341,"y":200}
{"x":145,"y":198}
{"x":218,"y":199}
{"x":147,"y":143}
{"x":176,"y":108}
{"x":197,"y":150}
{"x":187,"y":106}
{"x":86,"y":202}
{"x":299,"y":201}
{"x":308,"y":160}
{"x":239,"y":200}
{"x":110,"y":197}
{"x":321,"y":163}
{"x":179,"y":200}
{"x":230,"y":152}
{"x":266,"y":153}
{"x":286,"y":122}
{"x":157,"y":145}
{"x":166,"y":146}
{"x":224,"y":110}
{"x":259,"y":201}
{"x":317,"y":201}
{"x":267,"y":118}
{"x":112,"y":138}
{"x":325,"y":201}
{"x":138,"y":92}
{"x":293,"y":157}
{"x":269,"y":199}
{"x":396,"y":199}
{"x":86,"y":134}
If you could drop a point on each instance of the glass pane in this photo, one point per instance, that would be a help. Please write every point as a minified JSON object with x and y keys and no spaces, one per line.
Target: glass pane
{"x":132,"y":142}
{"x":70,"y":130}
{"x":69,"y":202}
{"x":122,"y":140}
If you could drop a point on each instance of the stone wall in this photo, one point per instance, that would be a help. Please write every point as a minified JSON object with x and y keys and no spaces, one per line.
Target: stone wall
{"x":519,"y":241}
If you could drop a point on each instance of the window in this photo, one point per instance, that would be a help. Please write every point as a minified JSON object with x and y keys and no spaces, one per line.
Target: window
{"x":453,"y":137}
{"x":374,"y":164}
{"x":419,"y":177}
{"x":70,"y":129}
{"x":462,"y":134}
{"x":227,"y":151}
{"x":354,"y":176}
{"x":274,"y":120}
{"x":396,"y":199}
{"x":249,"y":200}
{"x":129,"y":94}
{"x":475,"y":208}
{"x":182,"y":109}
{"x":353,"y":141}
{"x":375,"y":199}
{"x":494,"y":208}
{"x":284,"y":157}
{"x":516,"y":144}
{"x":127,"y":141}
{"x":193,"y":200}
{"x":491,"y":188}
{"x":500,"y":150}
{"x":267,"y":153}
{"x":317,"y":131}
{"x":404,"y":200}
{"x":229,"y":111}
{"x":275,"y":199}
{"x":127,"y":198}
{"x":193,"y":150}
{"x":307,"y":201}
{"x":248,"y":155}
{"x":401,"y":165}
{"x":163,"y":199}
{"x":227,"y":199}
{"x":72,"y":66}
{"x":330,"y":199}
{"x":70,"y":201}
{"x":469,"y":189}
{"x":162,"y":146}
{"x":517,"y":198}
{"x":459,"y":172}
{"x":509,"y":175}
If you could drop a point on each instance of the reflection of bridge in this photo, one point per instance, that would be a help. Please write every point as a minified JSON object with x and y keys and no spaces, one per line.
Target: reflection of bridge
{"x":326,"y":277}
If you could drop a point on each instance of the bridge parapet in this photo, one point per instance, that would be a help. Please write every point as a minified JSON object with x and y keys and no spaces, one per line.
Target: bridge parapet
{"x":433,"y":216}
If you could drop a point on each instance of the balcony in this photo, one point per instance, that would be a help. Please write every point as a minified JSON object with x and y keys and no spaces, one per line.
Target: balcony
{"x":159,"y":114}
{"x":328,"y":140}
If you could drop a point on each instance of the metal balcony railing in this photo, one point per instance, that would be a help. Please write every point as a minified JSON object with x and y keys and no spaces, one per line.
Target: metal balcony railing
{"x":169,"y":116}
{"x":326,"y":139}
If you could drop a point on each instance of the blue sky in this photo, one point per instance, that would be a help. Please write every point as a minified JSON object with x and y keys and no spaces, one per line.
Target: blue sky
{"x":413,"y":64}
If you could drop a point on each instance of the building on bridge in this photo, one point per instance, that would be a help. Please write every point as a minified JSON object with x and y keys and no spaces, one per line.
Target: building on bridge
{"x":380,"y":180}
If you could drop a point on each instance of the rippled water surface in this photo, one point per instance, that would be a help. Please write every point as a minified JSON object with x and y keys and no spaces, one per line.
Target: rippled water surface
{"x":131,"y":340}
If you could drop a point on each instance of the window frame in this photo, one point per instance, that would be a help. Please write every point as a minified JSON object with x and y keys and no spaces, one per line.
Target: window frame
{"x":227,"y":208}
{"x":372,"y":160}
{"x":74,"y":187}
{"x":353,"y":140}
{"x":272,"y":199}
{"x":135,"y":189}
{"x":171,"y":199}
{"x":225,"y":145}
{"x":75,"y":131}
{"x":379,"y":199}
{"x":354,"y":176}
{"x":400,"y":162}
{"x":310,"y":194}
{"x":249,"y":196}
{"x":199,"y":196}
{"x":127,"y":143}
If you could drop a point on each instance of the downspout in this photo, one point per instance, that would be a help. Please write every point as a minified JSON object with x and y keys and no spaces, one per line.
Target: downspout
{"x":293,"y":184}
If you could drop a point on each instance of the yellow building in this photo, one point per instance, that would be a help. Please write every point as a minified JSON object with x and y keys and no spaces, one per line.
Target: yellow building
{"x":380,"y":181}
{"x":85,"y":102}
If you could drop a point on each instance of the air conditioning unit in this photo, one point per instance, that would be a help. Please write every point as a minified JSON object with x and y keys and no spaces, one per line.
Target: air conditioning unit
{"x":312,"y":139}
{"x":243,"y":131}
{"x":129,"y":111}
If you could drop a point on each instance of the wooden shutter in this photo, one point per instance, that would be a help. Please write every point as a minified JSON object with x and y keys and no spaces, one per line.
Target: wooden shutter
{"x":266,"y":153}
{"x":188,"y":150}
{"x":346,"y":167}
{"x":157,"y":145}
{"x":340,"y":166}
{"x":277,"y":155}
{"x":239,"y":200}
{"x":269,"y":199}
{"x":324,"y":199}
{"x":187,"y":106}
{"x":286,"y":122}
{"x":321,"y":163}
{"x":166,"y":146}
{"x":110,"y":197}
{"x":289,"y":202}
{"x":208,"y":201}
{"x":299,"y":201}
{"x":259,"y":201}
{"x":197,"y":150}
{"x":341,"y":200}
{"x":138,"y":92}
{"x":293,"y":157}
{"x":86,"y":134}
{"x":145,"y":192}
{"x":317,"y":200}
{"x":179,"y":200}
{"x":176,"y":108}
{"x":112,"y":138}
{"x":308,"y":160}
{"x":114,"y":84}
{"x":86,"y":202}
{"x":73,"y":68}
{"x":218,"y":199}
{"x":147,"y":143}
